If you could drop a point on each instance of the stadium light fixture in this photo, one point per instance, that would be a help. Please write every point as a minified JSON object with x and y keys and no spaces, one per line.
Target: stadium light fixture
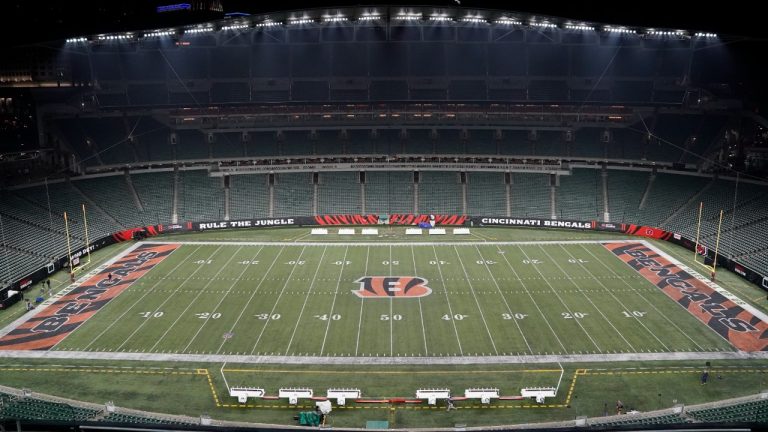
{"x":300,"y":21}
{"x":408,"y":16}
{"x":619,"y":30}
{"x":77,"y":39}
{"x":508,"y":21}
{"x":666,"y":32}
{"x":235,"y":27}
{"x":542,"y":24}
{"x":706,"y":35}
{"x":474,"y":19}
{"x":198,"y":30}
{"x":268,"y":23}
{"x":335,"y":18}
{"x":158,"y":33}
{"x":369,"y":17}
{"x":440,"y":18}
{"x":582,"y":27}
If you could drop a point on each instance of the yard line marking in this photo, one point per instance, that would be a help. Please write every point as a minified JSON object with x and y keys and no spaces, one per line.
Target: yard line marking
{"x":506,"y":304}
{"x":269,"y":317}
{"x":306,"y":298}
{"x":362,"y":301}
{"x":445,"y":292}
{"x":477,"y":302}
{"x":166,"y":300}
{"x":221,"y":300}
{"x":578,"y":287}
{"x":333,"y":303}
{"x":639,"y":321}
{"x":561,"y":300}
{"x":421,"y":313}
{"x":391,"y":322}
{"x":150,"y":290}
{"x":199,"y":293}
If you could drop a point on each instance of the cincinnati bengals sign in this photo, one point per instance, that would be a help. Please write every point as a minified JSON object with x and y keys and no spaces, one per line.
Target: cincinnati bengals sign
{"x":392,"y":287}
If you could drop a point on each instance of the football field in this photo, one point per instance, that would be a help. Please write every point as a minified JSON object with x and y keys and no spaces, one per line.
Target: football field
{"x":390,"y":300}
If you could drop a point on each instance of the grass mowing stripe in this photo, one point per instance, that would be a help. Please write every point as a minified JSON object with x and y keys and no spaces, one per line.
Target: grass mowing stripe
{"x":561,"y":300}
{"x":610,"y":292}
{"x":445,"y":291}
{"x":221,"y":300}
{"x":533,"y":300}
{"x":474,"y":295}
{"x":157,"y":309}
{"x":199,"y":293}
{"x":650,"y":303}
{"x":333,"y":303}
{"x":269,"y":317}
{"x":504,"y":299}
{"x":130,"y":308}
{"x":306,"y":298}
{"x":253,"y":294}
{"x":579,"y":288}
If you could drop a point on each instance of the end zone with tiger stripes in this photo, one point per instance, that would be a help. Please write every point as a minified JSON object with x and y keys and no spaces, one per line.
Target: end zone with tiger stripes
{"x":44,"y":330}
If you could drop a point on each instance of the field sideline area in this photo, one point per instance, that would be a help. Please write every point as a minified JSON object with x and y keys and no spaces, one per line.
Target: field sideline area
{"x":219,"y":304}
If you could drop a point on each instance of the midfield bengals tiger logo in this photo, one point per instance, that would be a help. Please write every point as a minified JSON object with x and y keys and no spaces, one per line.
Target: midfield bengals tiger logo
{"x":392,"y":286}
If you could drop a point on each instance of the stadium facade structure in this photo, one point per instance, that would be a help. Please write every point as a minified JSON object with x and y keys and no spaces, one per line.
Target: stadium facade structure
{"x":382,"y":110}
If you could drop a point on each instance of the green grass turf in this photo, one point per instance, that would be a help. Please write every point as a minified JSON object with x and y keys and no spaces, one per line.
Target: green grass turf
{"x":485,"y":300}
{"x":190,"y":394}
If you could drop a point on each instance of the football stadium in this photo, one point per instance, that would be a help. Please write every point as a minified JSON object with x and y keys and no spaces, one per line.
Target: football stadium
{"x":382,"y":217}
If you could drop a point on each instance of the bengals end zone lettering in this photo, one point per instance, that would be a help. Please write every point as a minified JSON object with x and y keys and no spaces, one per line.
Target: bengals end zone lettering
{"x":57,"y":321}
{"x":738,"y":326}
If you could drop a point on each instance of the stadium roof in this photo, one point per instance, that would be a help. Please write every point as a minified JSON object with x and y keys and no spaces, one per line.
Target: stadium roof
{"x":48,"y":20}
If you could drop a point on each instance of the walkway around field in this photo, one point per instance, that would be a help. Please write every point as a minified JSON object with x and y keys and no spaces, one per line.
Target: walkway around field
{"x":522,"y":359}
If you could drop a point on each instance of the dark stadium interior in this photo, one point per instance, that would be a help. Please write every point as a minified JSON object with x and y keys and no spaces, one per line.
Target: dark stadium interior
{"x":637,"y":120}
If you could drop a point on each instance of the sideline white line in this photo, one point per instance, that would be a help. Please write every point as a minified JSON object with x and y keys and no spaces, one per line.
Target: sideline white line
{"x":314,"y":360}
{"x":389,"y":243}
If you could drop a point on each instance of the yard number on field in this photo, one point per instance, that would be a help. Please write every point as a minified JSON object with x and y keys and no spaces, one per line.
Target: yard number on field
{"x":634,"y":314}
{"x":151,"y":314}
{"x":326,"y":317}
